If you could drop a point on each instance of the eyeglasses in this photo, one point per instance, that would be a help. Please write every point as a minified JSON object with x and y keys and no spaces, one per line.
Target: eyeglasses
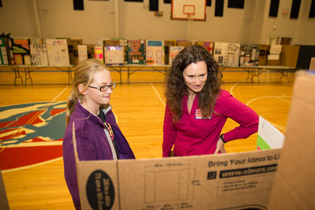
{"x":104,"y":88}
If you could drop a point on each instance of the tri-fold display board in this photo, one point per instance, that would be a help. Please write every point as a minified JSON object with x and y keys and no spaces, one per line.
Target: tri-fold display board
{"x":274,"y":177}
{"x":225,"y":181}
{"x":58,"y":54}
{"x":154,"y":52}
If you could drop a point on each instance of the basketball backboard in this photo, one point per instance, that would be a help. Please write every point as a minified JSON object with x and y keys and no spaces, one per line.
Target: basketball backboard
{"x":189,"y":9}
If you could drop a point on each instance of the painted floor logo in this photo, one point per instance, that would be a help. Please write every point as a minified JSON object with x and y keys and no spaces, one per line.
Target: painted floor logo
{"x":31,"y":133}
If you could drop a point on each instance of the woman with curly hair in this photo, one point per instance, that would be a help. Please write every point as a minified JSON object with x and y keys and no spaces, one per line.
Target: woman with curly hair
{"x":98,"y":137}
{"x":197,"y":108}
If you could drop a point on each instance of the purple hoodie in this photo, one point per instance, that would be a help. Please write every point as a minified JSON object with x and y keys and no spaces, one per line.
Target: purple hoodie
{"x":92,"y":144}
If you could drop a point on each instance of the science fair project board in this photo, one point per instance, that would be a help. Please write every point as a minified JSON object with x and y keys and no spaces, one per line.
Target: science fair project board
{"x":249,"y":55}
{"x":114,"y":55}
{"x":173,"y":51}
{"x":58,"y":54}
{"x":39,"y":54}
{"x":225,"y":181}
{"x":220,"y":53}
{"x":135,"y":51}
{"x":233,"y":54}
{"x":154,"y":52}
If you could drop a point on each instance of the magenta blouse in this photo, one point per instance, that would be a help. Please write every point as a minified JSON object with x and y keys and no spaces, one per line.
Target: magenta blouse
{"x":193,"y":135}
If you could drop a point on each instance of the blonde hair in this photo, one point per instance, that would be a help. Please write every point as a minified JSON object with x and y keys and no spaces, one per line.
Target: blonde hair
{"x":83,"y":74}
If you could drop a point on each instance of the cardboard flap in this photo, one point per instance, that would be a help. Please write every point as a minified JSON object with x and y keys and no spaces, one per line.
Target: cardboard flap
{"x":4,"y":205}
{"x":74,"y":140}
{"x":294,"y":182}
{"x":312,"y":64}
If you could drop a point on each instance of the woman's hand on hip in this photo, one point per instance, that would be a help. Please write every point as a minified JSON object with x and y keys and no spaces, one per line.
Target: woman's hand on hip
{"x":220,"y":147}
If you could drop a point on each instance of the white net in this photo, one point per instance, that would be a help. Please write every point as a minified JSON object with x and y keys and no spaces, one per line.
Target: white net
{"x":190,"y":19}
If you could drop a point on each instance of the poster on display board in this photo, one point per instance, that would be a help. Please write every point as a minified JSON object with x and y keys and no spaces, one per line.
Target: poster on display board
{"x":82,"y":53}
{"x":36,"y":40}
{"x":207,"y":45}
{"x":155,"y":52}
{"x":173,"y":51}
{"x":99,"y":55}
{"x":220,"y":53}
{"x":3,"y":52}
{"x":39,"y":54}
{"x":233,"y":54}
{"x":249,"y":55}
{"x":114,"y":55}
{"x":58,"y":54}
{"x":21,"y":51}
{"x":135,"y":51}
{"x":6,"y":44}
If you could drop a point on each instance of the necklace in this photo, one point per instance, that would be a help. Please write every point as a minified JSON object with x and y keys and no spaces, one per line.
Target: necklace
{"x":110,"y":130}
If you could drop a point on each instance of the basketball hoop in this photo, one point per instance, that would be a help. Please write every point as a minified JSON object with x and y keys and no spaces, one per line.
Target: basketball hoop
{"x":189,"y":11}
{"x":190,"y":16}
{"x":190,"y":19}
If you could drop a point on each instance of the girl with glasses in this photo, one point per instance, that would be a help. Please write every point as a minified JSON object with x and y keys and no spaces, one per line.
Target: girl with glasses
{"x":197,"y":108}
{"x":98,"y":136}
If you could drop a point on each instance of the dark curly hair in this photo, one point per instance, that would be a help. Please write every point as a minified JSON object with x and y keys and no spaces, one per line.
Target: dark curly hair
{"x":176,"y":87}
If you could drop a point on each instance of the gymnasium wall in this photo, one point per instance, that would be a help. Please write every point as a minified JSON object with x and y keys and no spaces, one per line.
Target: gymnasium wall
{"x":302,"y":30}
{"x":97,"y":20}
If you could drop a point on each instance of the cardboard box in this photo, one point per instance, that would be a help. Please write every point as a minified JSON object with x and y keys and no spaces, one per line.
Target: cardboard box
{"x":225,"y":181}
{"x":4,"y":205}
{"x":289,"y":55}
{"x":312,"y":64}
{"x":73,"y":50}
{"x":167,"y":45}
{"x":263,"y":52}
{"x":111,"y":42}
{"x":184,"y":43}
{"x":294,"y":186}
{"x":90,"y":51}
{"x":305,"y":54}
{"x":274,"y":55}
{"x":273,"y":62}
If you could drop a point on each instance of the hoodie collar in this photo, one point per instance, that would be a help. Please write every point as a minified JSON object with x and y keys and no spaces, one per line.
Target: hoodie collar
{"x":95,"y":119}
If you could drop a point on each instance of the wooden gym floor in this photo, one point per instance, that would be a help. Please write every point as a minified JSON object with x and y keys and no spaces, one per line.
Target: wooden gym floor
{"x":139,"y":108}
